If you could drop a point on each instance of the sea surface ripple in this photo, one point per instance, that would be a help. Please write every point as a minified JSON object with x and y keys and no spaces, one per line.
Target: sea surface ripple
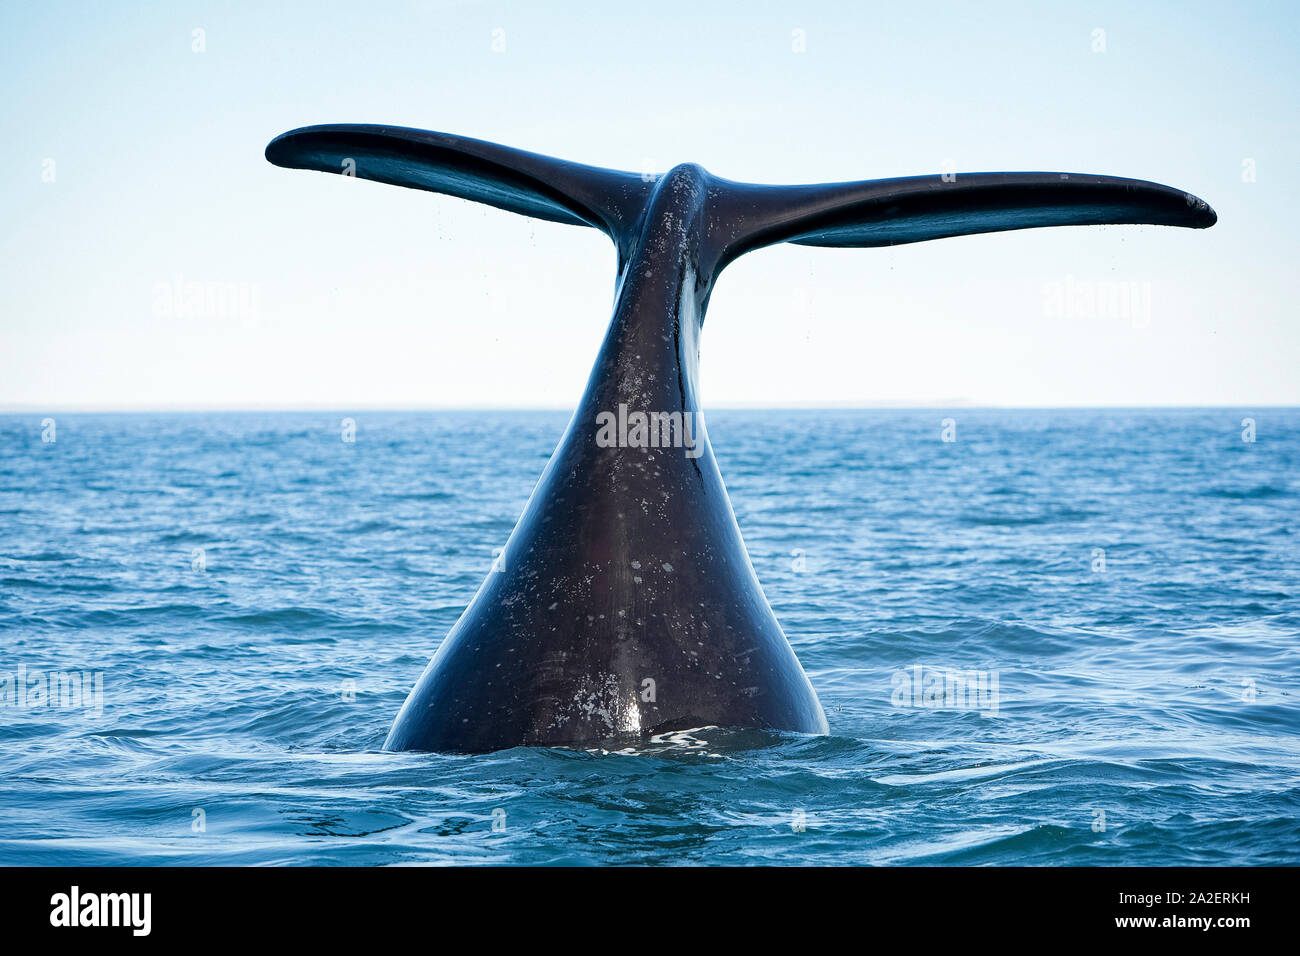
{"x":258,"y":596}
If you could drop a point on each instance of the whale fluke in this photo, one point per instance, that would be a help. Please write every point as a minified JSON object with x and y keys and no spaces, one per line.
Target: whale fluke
{"x":624,"y":603}
{"x":887,"y":212}
{"x":510,"y":179}
{"x":742,"y":216}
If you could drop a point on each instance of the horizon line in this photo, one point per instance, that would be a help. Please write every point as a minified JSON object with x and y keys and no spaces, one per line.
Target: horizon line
{"x":725,"y":406}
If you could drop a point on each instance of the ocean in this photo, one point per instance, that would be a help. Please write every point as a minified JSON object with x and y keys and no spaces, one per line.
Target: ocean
{"x":1046,"y":637}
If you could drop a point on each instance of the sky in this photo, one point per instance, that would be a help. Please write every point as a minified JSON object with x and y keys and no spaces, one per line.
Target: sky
{"x":133,"y":174}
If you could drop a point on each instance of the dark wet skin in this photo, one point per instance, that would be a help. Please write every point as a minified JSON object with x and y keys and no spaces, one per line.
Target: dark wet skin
{"x":625,"y":604}
{"x":628,"y":605}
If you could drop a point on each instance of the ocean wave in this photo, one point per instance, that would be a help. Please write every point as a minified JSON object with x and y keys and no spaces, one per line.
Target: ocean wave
{"x":1130,"y":581}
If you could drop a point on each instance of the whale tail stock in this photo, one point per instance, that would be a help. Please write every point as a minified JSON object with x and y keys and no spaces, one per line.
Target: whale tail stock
{"x":612,"y":619}
{"x":743,"y":216}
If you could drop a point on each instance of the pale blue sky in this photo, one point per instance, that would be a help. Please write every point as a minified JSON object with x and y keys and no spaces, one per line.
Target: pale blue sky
{"x":363,"y":294}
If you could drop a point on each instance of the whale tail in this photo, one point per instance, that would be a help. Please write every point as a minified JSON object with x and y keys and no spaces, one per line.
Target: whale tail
{"x":512,"y":179}
{"x":743,"y":216}
{"x":629,"y":605}
{"x":887,"y":212}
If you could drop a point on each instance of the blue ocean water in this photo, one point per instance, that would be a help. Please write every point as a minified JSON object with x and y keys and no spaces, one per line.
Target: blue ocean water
{"x":253,"y":597}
